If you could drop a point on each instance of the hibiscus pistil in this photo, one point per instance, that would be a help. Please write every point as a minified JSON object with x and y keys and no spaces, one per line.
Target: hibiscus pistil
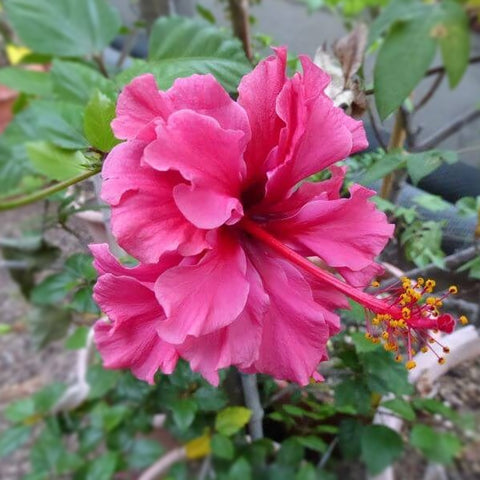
{"x":400,"y":317}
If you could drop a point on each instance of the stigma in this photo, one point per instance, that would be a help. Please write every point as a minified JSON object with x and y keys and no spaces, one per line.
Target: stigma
{"x":411,"y":316}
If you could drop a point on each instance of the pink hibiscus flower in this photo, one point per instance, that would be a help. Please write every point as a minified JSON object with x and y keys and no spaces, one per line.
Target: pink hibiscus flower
{"x":198,"y":177}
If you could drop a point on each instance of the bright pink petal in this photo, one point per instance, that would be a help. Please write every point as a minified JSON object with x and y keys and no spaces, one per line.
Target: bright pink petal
{"x":202,"y":298}
{"x":361,"y":278}
{"x":139,"y":105}
{"x":131,"y":340}
{"x":295,"y":332}
{"x":238,"y":343}
{"x":348,"y":232}
{"x":206,"y":155}
{"x":145,"y":218}
{"x":203,"y":94}
{"x":258,"y":93}
{"x":104,"y":262}
{"x":317,"y":134}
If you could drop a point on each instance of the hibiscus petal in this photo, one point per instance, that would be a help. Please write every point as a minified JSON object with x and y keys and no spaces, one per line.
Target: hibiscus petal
{"x":348,"y":232}
{"x":258,"y":93}
{"x":317,"y":134}
{"x":138,"y":106}
{"x":131,"y":340}
{"x":295,"y":333}
{"x":203,"y":94}
{"x":238,"y":343}
{"x":145,"y":218}
{"x":104,"y":262}
{"x":205,"y":297}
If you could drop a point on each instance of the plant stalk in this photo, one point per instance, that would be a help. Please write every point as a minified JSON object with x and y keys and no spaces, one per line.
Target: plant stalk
{"x":46,"y":192}
{"x":252,"y":400}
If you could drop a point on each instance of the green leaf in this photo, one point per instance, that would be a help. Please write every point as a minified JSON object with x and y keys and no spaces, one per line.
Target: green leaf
{"x":99,"y":114}
{"x":400,"y":407}
{"x":54,"y":162}
{"x":47,"y":397}
{"x":306,"y":472}
{"x":380,"y":446}
{"x":52,"y":289}
{"x":27,"y":81}
{"x":434,"y":203}
{"x":385,"y":165}
{"x":83,"y":302}
{"x":240,"y":470}
{"x":180,"y":47}
{"x":313,"y":443}
{"x":363,"y":345}
{"x":384,"y":375}
{"x":80,"y":265}
{"x":108,"y":417}
{"x":78,"y":339}
{"x":210,"y":399}
{"x":349,"y":438}
{"x":69,"y":28}
{"x":402,"y":62}
{"x":353,"y":393}
{"x":222,"y":447}
{"x":395,"y":11}
{"x":184,"y":412}
{"x":101,"y":381}
{"x":20,"y":410}
{"x":143,"y":453}
{"x":454,"y":40}
{"x":291,"y":452}
{"x":420,"y":165}
{"x":473,"y":266}
{"x":47,"y":324}
{"x":76,"y":82}
{"x":103,"y":467}
{"x":230,"y":420}
{"x":436,"y":446}
{"x":13,"y":438}
{"x":294,"y":410}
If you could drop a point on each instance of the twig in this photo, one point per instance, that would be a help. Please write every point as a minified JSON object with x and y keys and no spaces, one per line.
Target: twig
{"x":252,"y":400}
{"x":397,"y":140}
{"x":451,"y":262}
{"x":376,"y":129}
{"x":101,"y":64}
{"x":240,"y":24}
{"x":127,"y":48}
{"x":162,"y":465}
{"x":431,"y":91}
{"x":448,"y":130}
{"x":41,"y":194}
{"x":326,"y":456}
{"x":205,"y":468}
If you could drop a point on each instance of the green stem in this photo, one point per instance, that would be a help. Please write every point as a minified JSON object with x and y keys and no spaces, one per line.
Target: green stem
{"x":41,"y":194}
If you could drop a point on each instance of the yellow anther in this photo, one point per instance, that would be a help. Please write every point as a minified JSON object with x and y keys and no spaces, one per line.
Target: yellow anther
{"x":376,"y":320}
{"x":431,"y":301}
{"x":410,"y":365}
{"x":375,"y":284}
{"x":441,"y":360}
{"x":430,"y":283}
{"x":385,"y":335}
{"x":446,"y":350}
{"x":406,"y":312}
{"x":398,"y":358}
{"x":368,"y":336}
{"x":424,"y":349}
{"x":420,"y":281}
{"x":393,"y":323}
{"x":453,"y":289}
{"x":463,"y":320}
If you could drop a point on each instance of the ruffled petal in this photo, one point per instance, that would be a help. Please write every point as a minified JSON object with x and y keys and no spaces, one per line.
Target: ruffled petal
{"x":348,"y":232}
{"x":205,"y":297}
{"x":205,"y":154}
{"x":147,"y":274}
{"x":131,"y":340}
{"x":258,"y":93}
{"x":317,"y":134}
{"x":238,"y":344}
{"x":295,"y":332}
{"x":139,"y":106}
{"x":203,"y":94}
{"x":145,"y":218}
